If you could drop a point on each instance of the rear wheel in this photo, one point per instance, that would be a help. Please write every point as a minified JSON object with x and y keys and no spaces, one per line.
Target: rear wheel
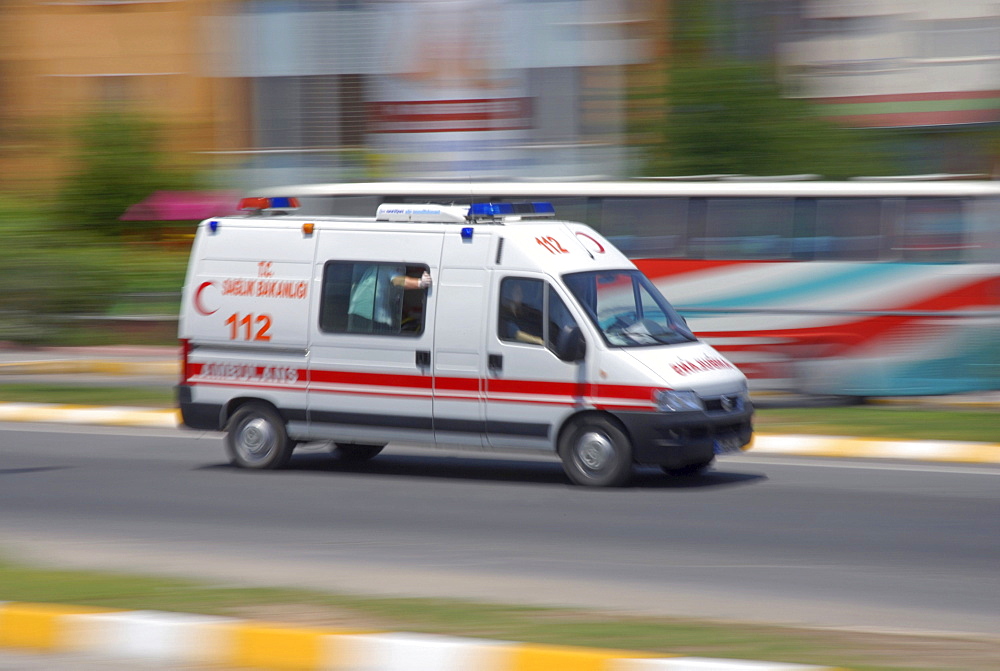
{"x":597,"y":453}
{"x":256,"y":437}
{"x":354,"y":452}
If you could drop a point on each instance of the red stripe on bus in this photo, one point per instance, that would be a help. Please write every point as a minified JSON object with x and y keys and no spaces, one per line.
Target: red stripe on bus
{"x":658,"y":268}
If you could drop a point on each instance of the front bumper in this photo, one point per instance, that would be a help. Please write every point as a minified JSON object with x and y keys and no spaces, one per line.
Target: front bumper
{"x":677,"y":439}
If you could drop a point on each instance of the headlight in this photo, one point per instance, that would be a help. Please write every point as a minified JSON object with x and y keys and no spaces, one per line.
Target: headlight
{"x":670,"y":400}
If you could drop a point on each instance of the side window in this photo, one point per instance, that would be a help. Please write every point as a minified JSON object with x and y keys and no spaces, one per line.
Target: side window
{"x":375,"y":298}
{"x":521,"y":311}
{"x":560,"y":321}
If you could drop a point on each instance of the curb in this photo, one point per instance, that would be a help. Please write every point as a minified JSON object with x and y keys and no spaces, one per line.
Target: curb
{"x":872,"y":448}
{"x":89,"y":414}
{"x":775,"y":444}
{"x":181,"y":638}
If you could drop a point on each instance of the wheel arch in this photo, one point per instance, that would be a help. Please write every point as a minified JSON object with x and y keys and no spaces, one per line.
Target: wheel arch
{"x":583,"y":415}
{"x":235,"y":403}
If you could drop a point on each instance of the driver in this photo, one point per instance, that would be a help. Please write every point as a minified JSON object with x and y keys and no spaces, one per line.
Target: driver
{"x":519,"y":322}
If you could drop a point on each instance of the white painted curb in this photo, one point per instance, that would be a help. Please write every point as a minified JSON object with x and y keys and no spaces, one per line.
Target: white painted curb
{"x":180,"y":638}
{"x":870,"y":448}
{"x":84,"y":414}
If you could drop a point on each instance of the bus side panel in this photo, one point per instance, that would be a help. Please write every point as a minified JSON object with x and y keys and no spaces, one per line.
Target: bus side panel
{"x":843,"y":327}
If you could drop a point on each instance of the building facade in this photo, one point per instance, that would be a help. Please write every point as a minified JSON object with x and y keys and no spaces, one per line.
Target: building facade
{"x":927,"y":70}
{"x":63,"y":59}
{"x":264,"y":92}
{"x":271,"y":91}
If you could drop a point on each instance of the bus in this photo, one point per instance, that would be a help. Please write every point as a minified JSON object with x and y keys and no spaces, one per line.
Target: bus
{"x":858,"y":288}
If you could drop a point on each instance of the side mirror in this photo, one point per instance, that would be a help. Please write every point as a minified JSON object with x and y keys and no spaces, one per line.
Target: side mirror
{"x":571,"y":347}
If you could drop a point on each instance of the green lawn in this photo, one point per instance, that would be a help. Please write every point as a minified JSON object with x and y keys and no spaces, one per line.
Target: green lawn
{"x":875,"y":421}
{"x":59,"y":393}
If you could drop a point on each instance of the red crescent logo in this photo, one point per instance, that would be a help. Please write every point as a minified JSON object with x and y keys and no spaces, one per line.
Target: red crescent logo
{"x":600,"y":247}
{"x":197,"y":299}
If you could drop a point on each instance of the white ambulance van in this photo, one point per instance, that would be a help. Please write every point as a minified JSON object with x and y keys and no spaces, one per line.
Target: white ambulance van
{"x":493,"y":327}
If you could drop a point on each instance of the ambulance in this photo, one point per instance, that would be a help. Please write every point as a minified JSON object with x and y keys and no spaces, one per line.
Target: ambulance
{"x":493,"y":327}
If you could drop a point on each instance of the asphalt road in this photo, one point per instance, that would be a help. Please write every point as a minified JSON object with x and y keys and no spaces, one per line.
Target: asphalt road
{"x":860,"y":545}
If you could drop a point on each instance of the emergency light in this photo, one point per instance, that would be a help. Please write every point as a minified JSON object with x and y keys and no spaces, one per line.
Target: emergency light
{"x":260,"y":204}
{"x":511,"y":209}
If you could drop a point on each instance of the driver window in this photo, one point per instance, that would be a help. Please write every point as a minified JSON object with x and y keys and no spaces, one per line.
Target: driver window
{"x":521,"y":311}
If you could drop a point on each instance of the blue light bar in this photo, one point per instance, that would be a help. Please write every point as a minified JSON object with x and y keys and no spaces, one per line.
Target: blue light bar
{"x":511,"y":209}
{"x":282,"y":203}
{"x":490,"y":209}
{"x":258,"y":204}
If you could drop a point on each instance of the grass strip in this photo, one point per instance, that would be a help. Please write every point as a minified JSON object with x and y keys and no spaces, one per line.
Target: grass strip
{"x":903,"y":422}
{"x":153,"y":397}
{"x":860,"y":652}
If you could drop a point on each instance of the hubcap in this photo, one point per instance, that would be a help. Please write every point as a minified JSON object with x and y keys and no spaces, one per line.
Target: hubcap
{"x":257,"y":438}
{"x":595,"y":450}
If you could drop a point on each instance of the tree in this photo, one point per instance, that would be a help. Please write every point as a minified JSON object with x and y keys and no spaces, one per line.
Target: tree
{"x":49,"y":274}
{"x":721,"y":115}
{"x":732,"y":119}
{"x":118,"y":163}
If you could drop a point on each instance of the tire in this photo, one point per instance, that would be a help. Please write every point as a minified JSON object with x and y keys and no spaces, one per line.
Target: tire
{"x":256,"y":437}
{"x":690,"y":469}
{"x":595,"y":452}
{"x":353,"y":452}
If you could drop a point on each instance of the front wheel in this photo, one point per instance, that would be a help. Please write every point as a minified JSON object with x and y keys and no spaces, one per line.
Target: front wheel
{"x":597,"y":453}
{"x":256,"y":437}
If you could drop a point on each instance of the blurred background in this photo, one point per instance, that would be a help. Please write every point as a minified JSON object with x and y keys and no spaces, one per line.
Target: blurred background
{"x":811,"y":183}
{"x":123,"y":123}
{"x":262,"y":92}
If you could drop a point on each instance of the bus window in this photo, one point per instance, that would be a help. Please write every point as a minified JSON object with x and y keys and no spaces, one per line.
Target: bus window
{"x":646,"y":227}
{"x":573,"y":208}
{"x":747,"y":228}
{"x":933,"y":230}
{"x":847,"y":229}
{"x":354,"y":206}
{"x":982,"y":233}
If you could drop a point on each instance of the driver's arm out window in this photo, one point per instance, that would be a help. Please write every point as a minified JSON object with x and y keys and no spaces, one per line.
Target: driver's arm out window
{"x":366,"y":297}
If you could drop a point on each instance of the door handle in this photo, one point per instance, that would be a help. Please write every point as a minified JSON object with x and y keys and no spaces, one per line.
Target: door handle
{"x":423,"y":358}
{"x":495,"y":362}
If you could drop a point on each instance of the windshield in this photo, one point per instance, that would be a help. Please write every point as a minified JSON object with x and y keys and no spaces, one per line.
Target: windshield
{"x":628,"y":309}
